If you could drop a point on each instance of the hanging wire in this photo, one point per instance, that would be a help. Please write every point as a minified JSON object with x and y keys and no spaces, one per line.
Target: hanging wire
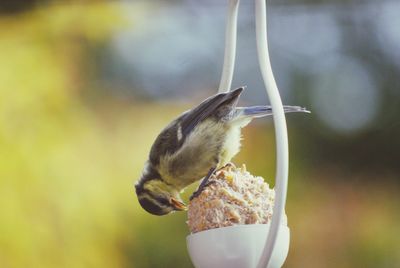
{"x":282,"y":150}
{"x":230,"y":47}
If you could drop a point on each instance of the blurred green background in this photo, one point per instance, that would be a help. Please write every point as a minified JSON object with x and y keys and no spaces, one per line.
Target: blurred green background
{"x":85,"y":87}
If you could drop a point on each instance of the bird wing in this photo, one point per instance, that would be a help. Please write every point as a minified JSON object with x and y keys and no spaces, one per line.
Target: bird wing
{"x":171,"y":139}
{"x":206,"y":109}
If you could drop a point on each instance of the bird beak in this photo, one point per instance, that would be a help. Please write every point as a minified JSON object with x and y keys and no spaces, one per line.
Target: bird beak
{"x":178,"y":205}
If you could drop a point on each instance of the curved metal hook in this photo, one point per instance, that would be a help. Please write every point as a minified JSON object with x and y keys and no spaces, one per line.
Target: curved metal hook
{"x":230,"y":47}
{"x":281,"y":136}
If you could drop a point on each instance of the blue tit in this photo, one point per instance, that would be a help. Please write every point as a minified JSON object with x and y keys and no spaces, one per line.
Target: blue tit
{"x":192,"y":147}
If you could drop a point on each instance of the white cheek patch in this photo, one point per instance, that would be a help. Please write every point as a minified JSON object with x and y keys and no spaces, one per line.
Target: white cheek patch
{"x":144,"y":195}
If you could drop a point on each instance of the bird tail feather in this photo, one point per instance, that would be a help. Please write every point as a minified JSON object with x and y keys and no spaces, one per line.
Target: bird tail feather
{"x":260,"y":111}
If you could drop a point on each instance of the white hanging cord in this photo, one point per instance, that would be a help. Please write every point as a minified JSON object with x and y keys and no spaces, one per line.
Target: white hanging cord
{"x":282,"y":151}
{"x":230,"y":47}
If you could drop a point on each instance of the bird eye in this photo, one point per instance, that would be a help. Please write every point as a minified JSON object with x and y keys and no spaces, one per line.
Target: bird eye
{"x":163,"y":201}
{"x":151,"y":207}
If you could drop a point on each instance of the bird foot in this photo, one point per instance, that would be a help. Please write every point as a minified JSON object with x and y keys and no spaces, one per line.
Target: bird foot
{"x":200,"y":190}
{"x":204,"y":183}
{"x":228,"y":165}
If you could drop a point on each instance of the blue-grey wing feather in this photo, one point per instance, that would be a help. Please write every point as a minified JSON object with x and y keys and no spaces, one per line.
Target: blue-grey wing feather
{"x":211,"y":107}
{"x":173,"y":136}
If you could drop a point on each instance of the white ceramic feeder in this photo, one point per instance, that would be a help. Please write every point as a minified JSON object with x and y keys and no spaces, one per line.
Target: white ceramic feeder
{"x":255,"y":245}
{"x":236,"y":246}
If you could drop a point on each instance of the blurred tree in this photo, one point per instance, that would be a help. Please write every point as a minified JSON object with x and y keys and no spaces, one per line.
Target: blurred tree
{"x":13,"y":6}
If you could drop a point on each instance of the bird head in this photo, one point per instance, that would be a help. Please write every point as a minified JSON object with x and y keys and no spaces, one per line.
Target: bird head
{"x":157,"y":197}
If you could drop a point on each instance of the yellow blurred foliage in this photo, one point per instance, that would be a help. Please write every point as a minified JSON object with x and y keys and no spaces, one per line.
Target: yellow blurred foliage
{"x":59,"y":179}
{"x":67,"y":167}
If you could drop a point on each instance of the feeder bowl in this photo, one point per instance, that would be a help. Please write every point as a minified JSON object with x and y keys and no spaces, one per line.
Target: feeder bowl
{"x":239,"y":246}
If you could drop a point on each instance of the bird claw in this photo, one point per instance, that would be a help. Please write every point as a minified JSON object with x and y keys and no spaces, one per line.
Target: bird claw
{"x":204,"y":183}
{"x":228,"y":165}
{"x":200,"y":190}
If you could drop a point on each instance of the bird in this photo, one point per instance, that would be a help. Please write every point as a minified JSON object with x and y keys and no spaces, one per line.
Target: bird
{"x":192,"y":147}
